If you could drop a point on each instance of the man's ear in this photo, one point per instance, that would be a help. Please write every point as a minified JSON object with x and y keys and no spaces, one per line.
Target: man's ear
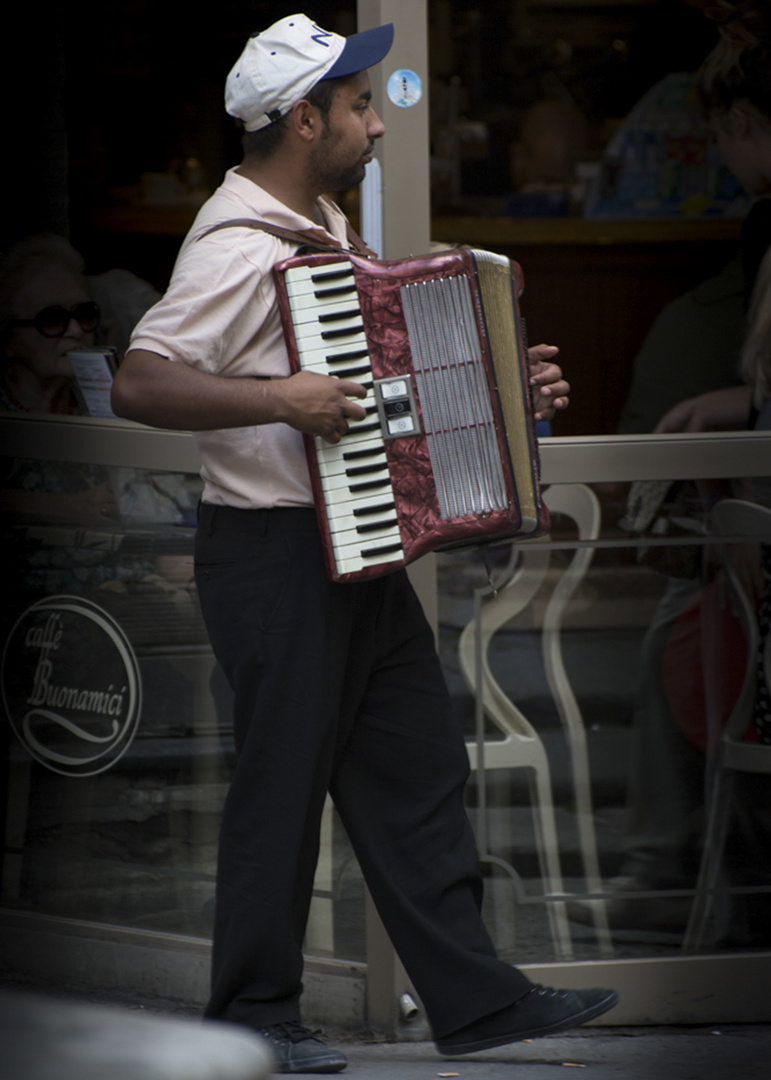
{"x":305,"y":119}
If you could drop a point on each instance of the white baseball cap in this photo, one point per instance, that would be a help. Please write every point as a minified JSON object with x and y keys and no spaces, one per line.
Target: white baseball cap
{"x":279,"y":66}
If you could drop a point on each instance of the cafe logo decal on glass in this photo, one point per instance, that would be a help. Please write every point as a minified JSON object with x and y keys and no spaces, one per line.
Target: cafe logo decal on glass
{"x":71,"y":686}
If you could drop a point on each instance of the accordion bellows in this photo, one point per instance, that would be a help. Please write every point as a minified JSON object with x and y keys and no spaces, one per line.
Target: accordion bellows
{"x":447,"y":456}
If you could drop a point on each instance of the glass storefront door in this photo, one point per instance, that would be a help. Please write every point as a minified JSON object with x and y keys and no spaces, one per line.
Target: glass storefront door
{"x":593,"y":671}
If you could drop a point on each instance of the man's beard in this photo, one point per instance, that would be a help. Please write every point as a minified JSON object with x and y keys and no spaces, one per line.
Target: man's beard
{"x":328,"y":175}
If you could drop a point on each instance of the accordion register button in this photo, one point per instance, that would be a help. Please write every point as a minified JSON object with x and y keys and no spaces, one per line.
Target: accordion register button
{"x":401,"y":425}
{"x":396,"y":388}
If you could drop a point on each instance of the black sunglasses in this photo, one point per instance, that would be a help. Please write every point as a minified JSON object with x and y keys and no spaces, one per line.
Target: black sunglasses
{"x":53,"y":321}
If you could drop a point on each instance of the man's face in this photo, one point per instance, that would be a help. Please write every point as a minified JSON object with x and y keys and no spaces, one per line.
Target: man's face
{"x":338,"y":159}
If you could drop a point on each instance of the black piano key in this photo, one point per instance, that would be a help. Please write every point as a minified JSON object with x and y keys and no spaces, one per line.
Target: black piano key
{"x":352,"y":354}
{"x":330,"y":335}
{"x":373,"y":526}
{"x":336,"y":290}
{"x":384,"y":549}
{"x":336,"y":316}
{"x":348,"y":373}
{"x":357,"y":455}
{"x":364,"y":470}
{"x":332,"y":275}
{"x":369,"y":485}
{"x":360,"y":428}
{"x":379,"y":508}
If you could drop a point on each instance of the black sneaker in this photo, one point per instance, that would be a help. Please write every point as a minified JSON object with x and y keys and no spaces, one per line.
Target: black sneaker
{"x":542,"y":1011}
{"x":297,"y":1050}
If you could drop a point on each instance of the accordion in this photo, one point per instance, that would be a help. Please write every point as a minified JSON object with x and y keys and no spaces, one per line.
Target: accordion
{"x":447,"y":455}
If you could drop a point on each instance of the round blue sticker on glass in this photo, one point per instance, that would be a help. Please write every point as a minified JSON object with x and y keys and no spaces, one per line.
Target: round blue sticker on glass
{"x":404,"y":88}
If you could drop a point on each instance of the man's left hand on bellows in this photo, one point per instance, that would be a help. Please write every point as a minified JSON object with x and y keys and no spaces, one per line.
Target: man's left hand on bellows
{"x":550,"y":390}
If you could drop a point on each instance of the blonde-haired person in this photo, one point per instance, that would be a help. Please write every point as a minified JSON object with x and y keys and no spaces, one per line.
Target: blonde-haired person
{"x":734,"y":88}
{"x":734,"y":85}
{"x":665,"y":792}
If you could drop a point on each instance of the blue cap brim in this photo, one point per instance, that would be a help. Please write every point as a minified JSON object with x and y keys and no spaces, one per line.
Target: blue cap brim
{"x":362,"y":51}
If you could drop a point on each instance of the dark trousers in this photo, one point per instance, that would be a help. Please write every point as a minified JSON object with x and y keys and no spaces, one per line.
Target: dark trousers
{"x":337,"y":688}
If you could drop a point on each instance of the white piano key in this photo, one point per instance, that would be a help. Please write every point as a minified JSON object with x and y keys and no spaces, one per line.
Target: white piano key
{"x":340,"y":482}
{"x":352,"y":561}
{"x":308,"y":279}
{"x":310,"y":312}
{"x":377,"y":505}
{"x":341,"y":330}
{"x":361,"y":510}
{"x":363,"y":475}
{"x":354,"y":338}
{"x":355,"y":471}
{"x":367,"y":428}
{"x":360,"y":436}
{"x":348,"y":542}
{"x":316,"y":359}
{"x":334,"y":464}
{"x":324,"y":300}
{"x":350,"y":373}
{"x":331,"y":305}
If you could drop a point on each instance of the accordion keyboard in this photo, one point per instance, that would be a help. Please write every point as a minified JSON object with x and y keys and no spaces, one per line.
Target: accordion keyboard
{"x":354,"y":474}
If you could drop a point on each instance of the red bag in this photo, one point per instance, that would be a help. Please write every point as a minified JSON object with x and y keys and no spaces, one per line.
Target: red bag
{"x":703,"y":669}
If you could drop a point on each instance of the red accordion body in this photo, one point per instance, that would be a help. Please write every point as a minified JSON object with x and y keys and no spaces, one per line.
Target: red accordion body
{"x":447,"y":456}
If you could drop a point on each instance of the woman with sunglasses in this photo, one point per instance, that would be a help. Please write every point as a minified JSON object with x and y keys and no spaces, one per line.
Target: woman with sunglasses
{"x":45,"y":311}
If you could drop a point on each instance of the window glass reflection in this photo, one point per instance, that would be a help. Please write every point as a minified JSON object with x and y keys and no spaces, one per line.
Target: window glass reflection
{"x":655,"y":659}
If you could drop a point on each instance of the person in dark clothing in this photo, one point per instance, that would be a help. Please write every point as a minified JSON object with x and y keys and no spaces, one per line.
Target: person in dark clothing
{"x":666,"y":787}
{"x":337,"y":687}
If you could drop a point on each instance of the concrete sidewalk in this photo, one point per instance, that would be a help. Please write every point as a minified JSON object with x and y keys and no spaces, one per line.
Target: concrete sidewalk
{"x":175,"y":1047}
{"x":711,"y":1053}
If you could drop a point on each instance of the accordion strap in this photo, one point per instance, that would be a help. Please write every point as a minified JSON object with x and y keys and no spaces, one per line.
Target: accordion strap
{"x":302,"y":238}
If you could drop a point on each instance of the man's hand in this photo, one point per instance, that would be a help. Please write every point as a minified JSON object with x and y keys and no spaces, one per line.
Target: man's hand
{"x":151,"y":389}
{"x":550,"y":390}
{"x":319,"y":404}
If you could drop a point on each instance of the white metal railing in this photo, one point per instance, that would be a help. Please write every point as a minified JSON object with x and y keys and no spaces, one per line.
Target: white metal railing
{"x":564,"y":459}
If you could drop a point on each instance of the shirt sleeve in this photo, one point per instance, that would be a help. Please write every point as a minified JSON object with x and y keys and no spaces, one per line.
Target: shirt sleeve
{"x":219,"y":313}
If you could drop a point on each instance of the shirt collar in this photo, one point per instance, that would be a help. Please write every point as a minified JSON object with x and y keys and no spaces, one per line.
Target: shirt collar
{"x":269,"y":208}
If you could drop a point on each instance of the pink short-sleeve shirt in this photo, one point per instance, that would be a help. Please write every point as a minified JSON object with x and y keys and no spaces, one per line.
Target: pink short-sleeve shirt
{"x":219,"y":314}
